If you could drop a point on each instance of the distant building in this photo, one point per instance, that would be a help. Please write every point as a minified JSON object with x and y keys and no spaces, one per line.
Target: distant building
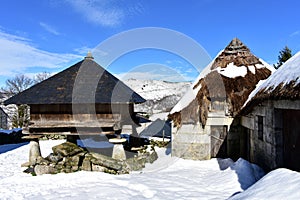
{"x":3,"y":119}
{"x":84,"y":99}
{"x":271,"y":119}
{"x":204,"y":119}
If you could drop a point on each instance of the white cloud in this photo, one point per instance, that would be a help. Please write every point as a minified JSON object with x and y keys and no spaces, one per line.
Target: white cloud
{"x":154,"y":76}
{"x":295,"y":33}
{"x":109,"y":13}
{"x":155,"y":71}
{"x":49,"y":28}
{"x":83,"y":50}
{"x":18,"y":55}
{"x":98,"y":12}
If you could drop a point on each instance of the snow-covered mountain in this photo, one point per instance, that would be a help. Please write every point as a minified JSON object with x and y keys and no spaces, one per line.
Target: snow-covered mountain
{"x":161,"y":96}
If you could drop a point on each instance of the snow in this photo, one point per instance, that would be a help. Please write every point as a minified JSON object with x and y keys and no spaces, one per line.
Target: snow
{"x":232,"y":71}
{"x":257,"y":88}
{"x":278,"y":184}
{"x":207,"y":69}
{"x":189,"y":96}
{"x":289,"y":71}
{"x":265,"y":65}
{"x":15,"y":130}
{"x":90,"y":143}
{"x":156,"y":89}
{"x":167,"y":178}
{"x":251,"y":69}
{"x":192,"y":91}
{"x":161,"y":96}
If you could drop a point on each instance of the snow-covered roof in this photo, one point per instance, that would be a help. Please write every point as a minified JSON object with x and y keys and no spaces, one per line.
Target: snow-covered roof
{"x":282,"y":84}
{"x":231,"y":76}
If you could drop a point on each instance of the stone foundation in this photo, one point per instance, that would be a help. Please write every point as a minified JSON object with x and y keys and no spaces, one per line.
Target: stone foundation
{"x":68,"y":157}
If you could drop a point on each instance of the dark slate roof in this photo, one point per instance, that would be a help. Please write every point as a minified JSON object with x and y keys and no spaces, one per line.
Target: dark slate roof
{"x":84,"y":82}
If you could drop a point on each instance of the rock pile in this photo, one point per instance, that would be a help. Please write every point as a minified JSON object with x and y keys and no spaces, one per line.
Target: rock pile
{"x":68,"y":157}
{"x":53,"y":137}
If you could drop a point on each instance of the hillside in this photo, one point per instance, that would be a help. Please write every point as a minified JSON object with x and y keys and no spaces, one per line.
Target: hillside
{"x":161,"y":96}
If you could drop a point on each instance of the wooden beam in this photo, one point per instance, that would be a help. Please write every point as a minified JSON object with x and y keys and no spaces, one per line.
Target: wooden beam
{"x":66,"y":124}
{"x":71,"y":133}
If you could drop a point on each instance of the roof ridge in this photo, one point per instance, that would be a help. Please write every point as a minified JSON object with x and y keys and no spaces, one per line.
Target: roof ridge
{"x":58,"y":89}
{"x":235,"y":52}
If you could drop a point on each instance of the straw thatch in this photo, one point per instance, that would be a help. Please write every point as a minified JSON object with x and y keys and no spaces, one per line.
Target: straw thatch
{"x":284,"y":84}
{"x":230,"y":93}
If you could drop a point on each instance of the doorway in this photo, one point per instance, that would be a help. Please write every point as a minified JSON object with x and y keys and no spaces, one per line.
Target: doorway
{"x":291,"y":139}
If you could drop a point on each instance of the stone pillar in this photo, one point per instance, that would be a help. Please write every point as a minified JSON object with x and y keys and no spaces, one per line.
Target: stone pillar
{"x":34,"y":148}
{"x":118,"y":150}
{"x":34,"y":151}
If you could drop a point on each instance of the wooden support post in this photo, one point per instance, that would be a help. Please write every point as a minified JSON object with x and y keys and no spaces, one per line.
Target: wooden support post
{"x":72,"y":139}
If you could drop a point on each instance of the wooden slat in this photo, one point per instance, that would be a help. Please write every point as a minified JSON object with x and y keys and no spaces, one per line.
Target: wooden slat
{"x":62,"y":124}
{"x":69,"y":133}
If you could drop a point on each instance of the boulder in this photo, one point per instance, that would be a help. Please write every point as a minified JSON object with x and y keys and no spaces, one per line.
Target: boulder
{"x":42,"y":161}
{"x":54,"y":158}
{"x":67,"y":149}
{"x":72,"y":161}
{"x":44,"y":169}
{"x":98,"y":168}
{"x":106,"y":161}
{"x":86,"y":164}
{"x":26,"y":164}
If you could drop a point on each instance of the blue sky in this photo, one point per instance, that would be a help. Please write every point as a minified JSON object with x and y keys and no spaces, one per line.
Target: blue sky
{"x":50,"y":35}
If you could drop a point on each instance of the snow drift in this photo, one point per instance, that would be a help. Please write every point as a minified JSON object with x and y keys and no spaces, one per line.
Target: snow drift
{"x":278,"y":184}
{"x":167,"y":178}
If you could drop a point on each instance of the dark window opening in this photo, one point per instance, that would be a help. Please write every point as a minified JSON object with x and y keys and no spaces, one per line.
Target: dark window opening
{"x":260,"y":127}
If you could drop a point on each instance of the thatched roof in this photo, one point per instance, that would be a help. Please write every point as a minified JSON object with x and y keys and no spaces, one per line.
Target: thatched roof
{"x":84,"y":82}
{"x":284,"y":84}
{"x":229,"y":78}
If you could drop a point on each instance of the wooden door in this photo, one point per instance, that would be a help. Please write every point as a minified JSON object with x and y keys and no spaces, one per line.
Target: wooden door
{"x":218,"y":141}
{"x":291,"y":138}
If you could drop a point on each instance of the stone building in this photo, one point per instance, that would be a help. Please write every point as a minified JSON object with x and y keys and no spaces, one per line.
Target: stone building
{"x":203,"y":119}
{"x":3,"y":119}
{"x":271,"y":120}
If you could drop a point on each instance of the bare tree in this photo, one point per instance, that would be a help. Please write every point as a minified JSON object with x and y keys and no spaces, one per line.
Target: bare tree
{"x":14,"y":86}
{"x":41,"y":77}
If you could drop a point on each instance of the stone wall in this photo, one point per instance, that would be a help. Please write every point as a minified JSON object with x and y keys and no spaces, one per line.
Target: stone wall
{"x":268,"y":150}
{"x":68,"y":157}
{"x":190,"y":142}
{"x":194,"y":141}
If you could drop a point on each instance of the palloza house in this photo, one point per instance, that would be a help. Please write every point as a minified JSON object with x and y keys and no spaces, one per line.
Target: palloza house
{"x":84,"y":99}
{"x":204,"y":119}
{"x":270,"y":119}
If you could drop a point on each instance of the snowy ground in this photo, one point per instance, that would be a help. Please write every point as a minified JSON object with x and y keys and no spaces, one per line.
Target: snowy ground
{"x":167,"y":178}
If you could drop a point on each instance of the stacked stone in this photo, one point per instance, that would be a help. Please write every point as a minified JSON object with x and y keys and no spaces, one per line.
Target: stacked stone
{"x":68,"y":157}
